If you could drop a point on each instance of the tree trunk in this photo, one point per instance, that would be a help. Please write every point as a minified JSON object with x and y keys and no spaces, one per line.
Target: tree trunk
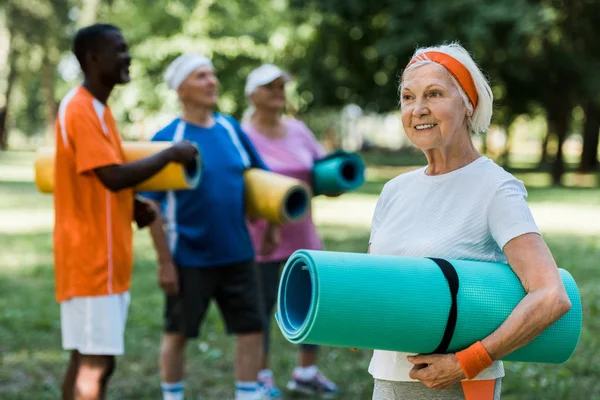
{"x":560,"y":116}
{"x":591,"y":135}
{"x":10,"y":80}
{"x":504,"y":157}
{"x":3,"y":131}
{"x":47,"y":92}
{"x":544,"y":159}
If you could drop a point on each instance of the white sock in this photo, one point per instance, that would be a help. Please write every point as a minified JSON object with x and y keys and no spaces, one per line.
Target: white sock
{"x":246,"y":390}
{"x":306,"y":373}
{"x":265,"y":373}
{"x":172,"y":391}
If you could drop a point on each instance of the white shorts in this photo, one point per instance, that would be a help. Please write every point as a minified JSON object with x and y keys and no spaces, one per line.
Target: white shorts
{"x":94,"y":325}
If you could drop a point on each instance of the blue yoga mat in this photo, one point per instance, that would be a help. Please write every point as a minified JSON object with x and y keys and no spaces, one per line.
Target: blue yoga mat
{"x":337,"y":173}
{"x":403,"y":303}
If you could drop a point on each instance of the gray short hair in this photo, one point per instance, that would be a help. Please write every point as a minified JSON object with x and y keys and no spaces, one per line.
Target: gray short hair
{"x":480,"y":119}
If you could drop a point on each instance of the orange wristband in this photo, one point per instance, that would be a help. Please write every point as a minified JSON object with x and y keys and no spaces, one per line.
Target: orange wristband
{"x":474,"y":359}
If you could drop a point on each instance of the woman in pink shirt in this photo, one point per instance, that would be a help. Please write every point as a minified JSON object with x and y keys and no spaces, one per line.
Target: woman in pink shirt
{"x":287,"y":147}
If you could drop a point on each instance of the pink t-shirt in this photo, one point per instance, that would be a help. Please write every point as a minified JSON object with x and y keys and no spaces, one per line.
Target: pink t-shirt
{"x":293,"y":156}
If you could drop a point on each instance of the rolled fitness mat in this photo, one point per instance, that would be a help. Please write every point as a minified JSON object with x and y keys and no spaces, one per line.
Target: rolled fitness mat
{"x":337,"y":173}
{"x":275,"y":197}
{"x":406,"y":304}
{"x":173,"y":176}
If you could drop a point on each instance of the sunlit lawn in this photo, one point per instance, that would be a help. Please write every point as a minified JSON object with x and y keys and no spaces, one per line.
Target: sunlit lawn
{"x":32,"y":361}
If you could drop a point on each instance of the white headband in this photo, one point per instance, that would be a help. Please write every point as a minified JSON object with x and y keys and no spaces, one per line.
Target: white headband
{"x":182,"y":67}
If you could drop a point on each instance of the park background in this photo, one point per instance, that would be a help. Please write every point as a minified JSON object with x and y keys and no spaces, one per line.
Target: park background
{"x":542,"y":58}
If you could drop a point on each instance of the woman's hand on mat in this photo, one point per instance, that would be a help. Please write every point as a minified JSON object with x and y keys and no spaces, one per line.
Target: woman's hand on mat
{"x":436,"y":371}
{"x":167,"y":278}
{"x":143,"y":212}
{"x":270,"y":240}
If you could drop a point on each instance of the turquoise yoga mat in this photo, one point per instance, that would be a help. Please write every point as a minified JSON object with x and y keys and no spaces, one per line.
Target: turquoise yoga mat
{"x":403,"y":303}
{"x":337,"y":173}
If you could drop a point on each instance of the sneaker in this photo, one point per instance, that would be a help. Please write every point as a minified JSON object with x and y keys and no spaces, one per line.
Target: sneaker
{"x":260,"y":394}
{"x":264,"y":393}
{"x":267,"y":382}
{"x":318,"y":385}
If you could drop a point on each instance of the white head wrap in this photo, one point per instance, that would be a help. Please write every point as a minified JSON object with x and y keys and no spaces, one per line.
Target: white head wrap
{"x":182,"y":67}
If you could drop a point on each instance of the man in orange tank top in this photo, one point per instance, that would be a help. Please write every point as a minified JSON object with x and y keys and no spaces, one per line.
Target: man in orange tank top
{"x":94,"y":210}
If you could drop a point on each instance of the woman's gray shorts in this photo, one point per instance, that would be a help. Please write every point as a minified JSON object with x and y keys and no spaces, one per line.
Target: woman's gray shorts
{"x":387,"y":390}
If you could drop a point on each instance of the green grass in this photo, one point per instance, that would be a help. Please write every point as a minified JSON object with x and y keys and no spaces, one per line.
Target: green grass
{"x":32,"y":362}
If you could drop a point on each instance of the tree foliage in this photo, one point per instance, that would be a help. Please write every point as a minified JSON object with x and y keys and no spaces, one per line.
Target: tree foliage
{"x":538,"y":54}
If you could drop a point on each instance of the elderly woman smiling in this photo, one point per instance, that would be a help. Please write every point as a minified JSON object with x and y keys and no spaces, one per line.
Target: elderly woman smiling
{"x":460,"y":206}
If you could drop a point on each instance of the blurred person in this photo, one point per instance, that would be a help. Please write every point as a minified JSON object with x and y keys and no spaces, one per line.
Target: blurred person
{"x":460,"y":206}
{"x":288,"y":147}
{"x":94,"y":208}
{"x":204,"y":249}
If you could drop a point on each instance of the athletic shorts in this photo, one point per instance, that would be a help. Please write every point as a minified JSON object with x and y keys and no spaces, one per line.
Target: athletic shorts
{"x":95,"y":325}
{"x":388,"y":390}
{"x":233,"y":287}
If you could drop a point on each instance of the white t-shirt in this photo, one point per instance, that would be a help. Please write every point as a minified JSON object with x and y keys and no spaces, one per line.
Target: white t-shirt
{"x":466,"y":214}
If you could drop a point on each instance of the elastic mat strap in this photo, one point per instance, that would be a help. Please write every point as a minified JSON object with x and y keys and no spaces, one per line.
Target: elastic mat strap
{"x":452,"y":278}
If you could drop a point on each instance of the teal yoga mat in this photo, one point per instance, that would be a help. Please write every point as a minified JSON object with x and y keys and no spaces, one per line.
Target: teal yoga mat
{"x":337,"y":173}
{"x":402,"y":304}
